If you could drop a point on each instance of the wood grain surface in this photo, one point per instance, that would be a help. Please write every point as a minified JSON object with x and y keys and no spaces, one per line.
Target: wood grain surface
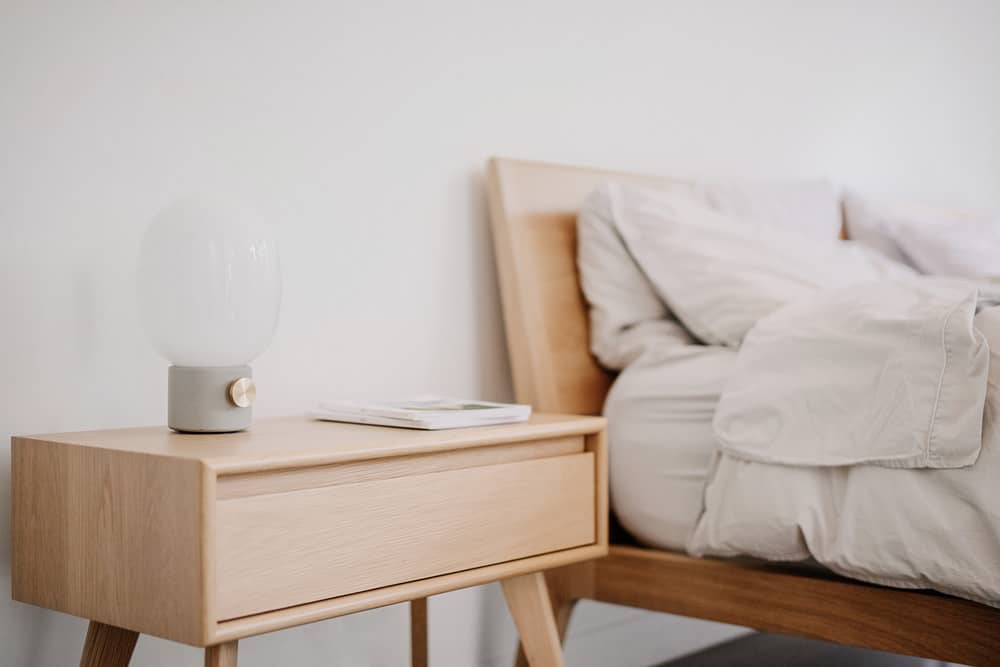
{"x":916,"y":623}
{"x":107,"y":646}
{"x":313,"y":477}
{"x":528,"y":599}
{"x":418,"y":632}
{"x":222,"y":655}
{"x":288,"y":442}
{"x":110,"y":536}
{"x":280,"y":550}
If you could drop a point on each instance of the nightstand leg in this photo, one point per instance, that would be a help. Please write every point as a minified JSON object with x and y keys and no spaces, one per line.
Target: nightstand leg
{"x":222,"y":655}
{"x":528,"y":599}
{"x":107,"y":646}
{"x":562,"y":609}
{"x":418,"y":632}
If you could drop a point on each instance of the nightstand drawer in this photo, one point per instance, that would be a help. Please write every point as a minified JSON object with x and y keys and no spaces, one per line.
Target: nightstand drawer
{"x":286,"y":548}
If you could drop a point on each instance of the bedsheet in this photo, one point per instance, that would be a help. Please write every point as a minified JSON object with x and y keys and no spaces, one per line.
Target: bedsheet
{"x":660,"y":439}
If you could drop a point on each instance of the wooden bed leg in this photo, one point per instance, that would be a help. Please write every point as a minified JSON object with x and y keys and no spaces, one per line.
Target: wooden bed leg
{"x":222,"y":655}
{"x":107,"y":646}
{"x":418,"y":632}
{"x":530,"y":605}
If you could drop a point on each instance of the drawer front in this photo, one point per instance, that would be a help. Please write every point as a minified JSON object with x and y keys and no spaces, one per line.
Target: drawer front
{"x":284,"y":549}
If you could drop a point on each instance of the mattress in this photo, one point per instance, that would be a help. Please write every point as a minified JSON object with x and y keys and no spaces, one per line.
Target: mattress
{"x":659,"y":413}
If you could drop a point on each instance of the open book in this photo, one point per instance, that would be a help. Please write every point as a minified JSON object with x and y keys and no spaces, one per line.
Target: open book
{"x":424,"y":412}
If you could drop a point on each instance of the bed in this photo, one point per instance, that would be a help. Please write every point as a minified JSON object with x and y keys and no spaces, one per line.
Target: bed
{"x":533,"y":209}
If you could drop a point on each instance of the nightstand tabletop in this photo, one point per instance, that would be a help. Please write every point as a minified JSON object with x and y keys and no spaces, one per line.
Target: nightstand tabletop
{"x":281,"y":442}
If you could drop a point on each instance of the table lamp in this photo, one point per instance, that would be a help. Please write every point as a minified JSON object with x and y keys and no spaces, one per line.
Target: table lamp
{"x":209,"y":290}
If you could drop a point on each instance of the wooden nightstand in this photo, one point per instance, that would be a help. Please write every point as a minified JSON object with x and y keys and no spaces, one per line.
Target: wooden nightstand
{"x":204,"y":539}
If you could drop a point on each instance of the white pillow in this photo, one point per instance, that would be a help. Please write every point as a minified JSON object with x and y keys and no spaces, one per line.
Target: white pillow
{"x":932,"y":240}
{"x":719,"y":275}
{"x":809,"y":208}
{"x":967,"y":249}
{"x":627,"y":317}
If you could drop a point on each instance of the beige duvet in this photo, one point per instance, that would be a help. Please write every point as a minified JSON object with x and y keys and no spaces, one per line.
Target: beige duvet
{"x":935,"y":528}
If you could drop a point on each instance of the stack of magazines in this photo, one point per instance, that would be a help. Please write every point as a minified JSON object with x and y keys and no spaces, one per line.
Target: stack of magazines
{"x":425,"y":412}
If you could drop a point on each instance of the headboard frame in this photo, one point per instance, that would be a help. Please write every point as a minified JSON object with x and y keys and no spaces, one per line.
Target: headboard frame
{"x":533,"y":207}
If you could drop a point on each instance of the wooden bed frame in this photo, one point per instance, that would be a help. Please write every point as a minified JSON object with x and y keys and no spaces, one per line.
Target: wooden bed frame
{"x":533,"y":208}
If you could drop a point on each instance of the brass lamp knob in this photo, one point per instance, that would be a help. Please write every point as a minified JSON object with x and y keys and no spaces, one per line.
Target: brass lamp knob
{"x":242,"y":392}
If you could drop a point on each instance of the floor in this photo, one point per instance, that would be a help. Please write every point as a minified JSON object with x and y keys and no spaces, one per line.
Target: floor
{"x":765,"y":649}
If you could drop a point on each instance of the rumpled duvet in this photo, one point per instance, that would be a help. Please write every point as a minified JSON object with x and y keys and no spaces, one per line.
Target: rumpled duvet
{"x":861,"y":428}
{"x":891,"y":372}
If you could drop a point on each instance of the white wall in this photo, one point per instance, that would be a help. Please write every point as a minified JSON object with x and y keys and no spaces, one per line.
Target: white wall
{"x":362,"y":128}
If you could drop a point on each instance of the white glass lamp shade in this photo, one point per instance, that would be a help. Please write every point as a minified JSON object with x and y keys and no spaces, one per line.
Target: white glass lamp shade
{"x":209,"y":284}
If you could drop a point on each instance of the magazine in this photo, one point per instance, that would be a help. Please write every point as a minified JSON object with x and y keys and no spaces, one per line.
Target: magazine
{"x":424,"y":412}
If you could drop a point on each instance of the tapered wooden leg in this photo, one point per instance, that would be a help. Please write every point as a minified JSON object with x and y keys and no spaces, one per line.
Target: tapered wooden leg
{"x":566,"y":585}
{"x":107,"y":646}
{"x":222,"y":655}
{"x":528,"y":599}
{"x":418,"y":632}
{"x":562,"y":610}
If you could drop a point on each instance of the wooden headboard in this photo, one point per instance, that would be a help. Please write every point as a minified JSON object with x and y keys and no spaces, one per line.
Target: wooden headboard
{"x":533,"y":207}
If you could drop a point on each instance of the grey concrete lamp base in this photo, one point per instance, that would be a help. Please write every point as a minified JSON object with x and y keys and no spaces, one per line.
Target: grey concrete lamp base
{"x":209,"y":399}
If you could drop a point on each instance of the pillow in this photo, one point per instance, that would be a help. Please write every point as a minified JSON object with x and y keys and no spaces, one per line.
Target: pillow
{"x":967,"y":249}
{"x":627,"y":317}
{"x":932,"y":240}
{"x":809,"y":208}
{"x":719,"y":274}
